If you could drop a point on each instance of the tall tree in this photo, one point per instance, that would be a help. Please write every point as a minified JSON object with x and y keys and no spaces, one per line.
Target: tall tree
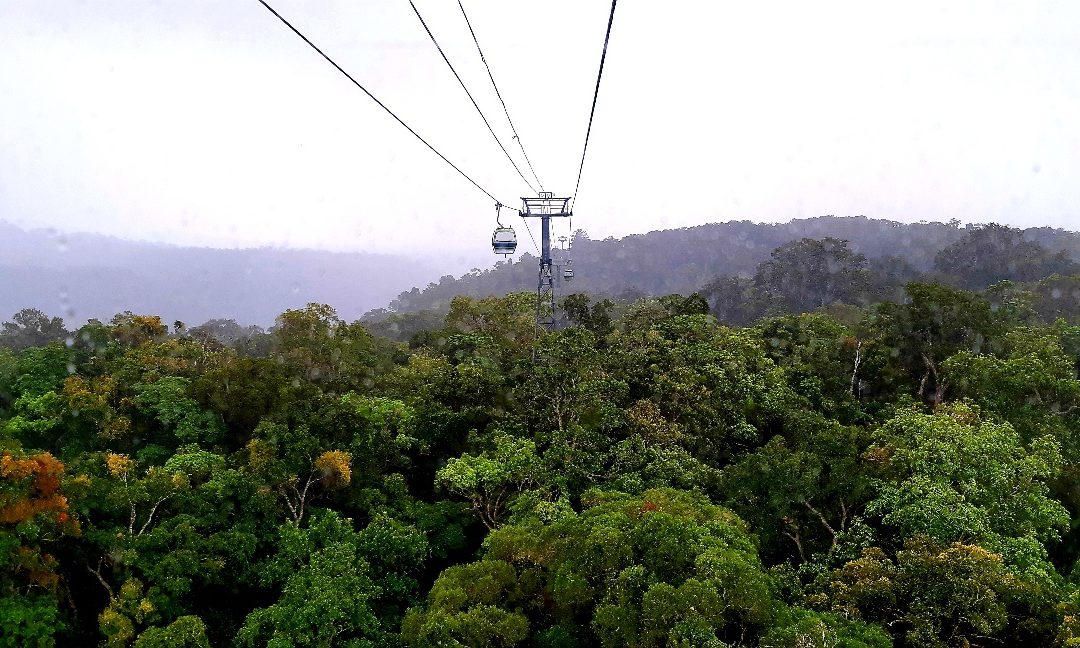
{"x":916,"y":337}
{"x":30,"y":328}
{"x":810,"y":273}
{"x":991,"y":253}
{"x":33,"y":515}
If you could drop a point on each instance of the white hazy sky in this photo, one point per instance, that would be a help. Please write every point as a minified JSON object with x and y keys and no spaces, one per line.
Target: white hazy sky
{"x":208,"y":122}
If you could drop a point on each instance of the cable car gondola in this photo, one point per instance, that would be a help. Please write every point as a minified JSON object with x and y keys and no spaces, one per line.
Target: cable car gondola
{"x":503,"y":240}
{"x":568,"y":272}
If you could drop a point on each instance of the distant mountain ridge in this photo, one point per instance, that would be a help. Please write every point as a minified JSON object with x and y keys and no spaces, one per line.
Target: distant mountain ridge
{"x":83,"y":276}
{"x":684,"y":260}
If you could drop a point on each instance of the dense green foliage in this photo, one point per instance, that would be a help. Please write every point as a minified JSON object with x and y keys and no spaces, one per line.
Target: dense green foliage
{"x":868,"y":472}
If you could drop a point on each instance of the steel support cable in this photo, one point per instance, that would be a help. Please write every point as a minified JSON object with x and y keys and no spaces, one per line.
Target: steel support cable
{"x":373,"y":98}
{"x":499,"y":95}
{"x":592,"y":111}
{"x":529,"y":230}
{"x":475,"y":105}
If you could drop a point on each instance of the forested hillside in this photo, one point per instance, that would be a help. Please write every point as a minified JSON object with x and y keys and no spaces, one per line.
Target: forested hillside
{"x":891,"y":462}
{"x":85,"y":276}
{"x":685,"y":260}
{"x":811,"y":273}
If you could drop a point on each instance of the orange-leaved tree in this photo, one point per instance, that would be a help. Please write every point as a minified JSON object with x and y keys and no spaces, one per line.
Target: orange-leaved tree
{"x":33,"y":512}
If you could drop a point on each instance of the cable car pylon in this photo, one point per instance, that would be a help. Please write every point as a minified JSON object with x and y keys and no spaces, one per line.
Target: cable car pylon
{"x":545,"y":207}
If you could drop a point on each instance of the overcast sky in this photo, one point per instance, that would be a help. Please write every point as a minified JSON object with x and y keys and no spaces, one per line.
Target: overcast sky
{"x":199,"y":122}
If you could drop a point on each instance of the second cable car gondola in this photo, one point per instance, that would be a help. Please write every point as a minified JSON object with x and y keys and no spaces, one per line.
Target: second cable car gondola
{"x":503,"y":240}
{"x":568,"y":272}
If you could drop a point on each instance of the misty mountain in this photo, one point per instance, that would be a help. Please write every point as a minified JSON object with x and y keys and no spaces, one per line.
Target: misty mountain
{"x":82,"y":276}
{"x":684,"y":260}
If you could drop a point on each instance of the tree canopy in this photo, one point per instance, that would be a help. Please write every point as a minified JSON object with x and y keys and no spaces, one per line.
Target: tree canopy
{"x":809,"y":456}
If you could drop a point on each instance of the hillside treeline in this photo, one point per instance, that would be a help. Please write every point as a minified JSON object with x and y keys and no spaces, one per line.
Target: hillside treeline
{"x":807,"y":274}
{"x":686,"y":260}
{"x":905,"y":472}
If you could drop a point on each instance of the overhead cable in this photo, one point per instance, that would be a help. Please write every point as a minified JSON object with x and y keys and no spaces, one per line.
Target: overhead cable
{"x":596,"y":93}
{"x":475,"y":105}
{"x":529,"y":230}
{"x":373,"y":98}
{"x":499,"y":95}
